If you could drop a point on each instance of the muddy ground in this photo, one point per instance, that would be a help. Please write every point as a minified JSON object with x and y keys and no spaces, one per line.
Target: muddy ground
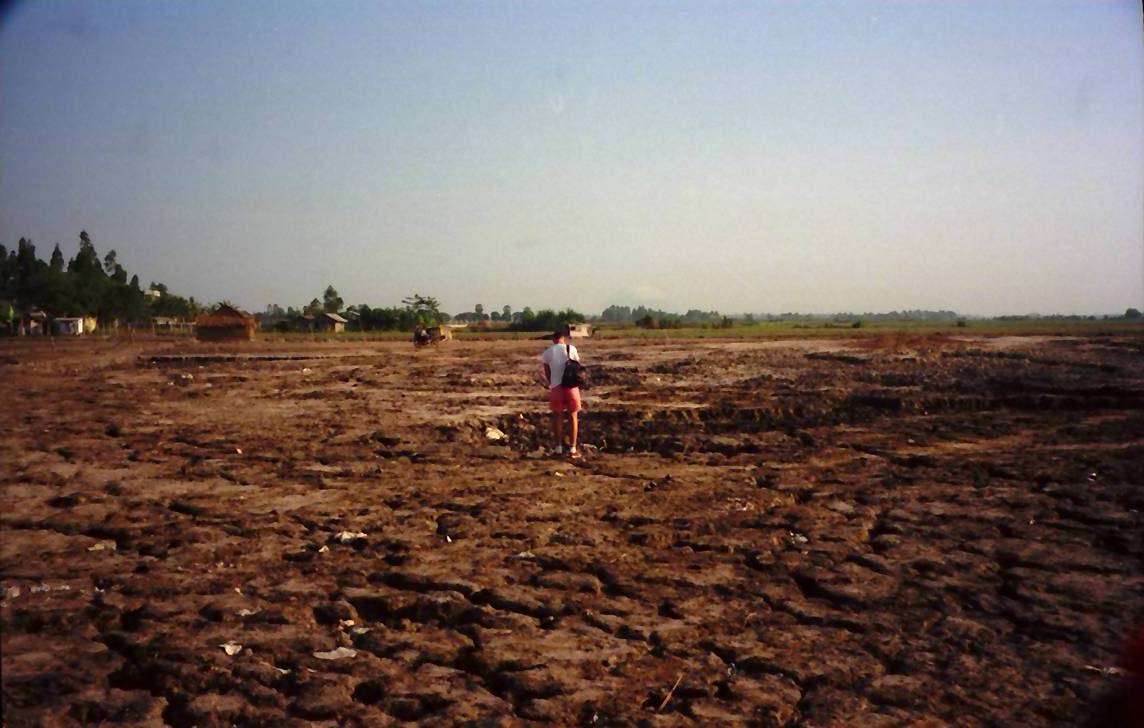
{"x":830,"y":533}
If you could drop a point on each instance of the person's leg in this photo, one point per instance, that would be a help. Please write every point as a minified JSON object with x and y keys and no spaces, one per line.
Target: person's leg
{"x":556,"y":405}
{"x":573,"y":394}
{"x":557,"y":430}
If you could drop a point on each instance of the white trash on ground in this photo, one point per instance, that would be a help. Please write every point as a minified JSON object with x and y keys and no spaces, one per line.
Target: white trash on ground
{"x":337,"y":654}
{"x":492,"y":433}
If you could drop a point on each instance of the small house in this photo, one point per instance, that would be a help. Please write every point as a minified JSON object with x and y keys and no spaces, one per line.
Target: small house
{"x":34,"y":323}
{"x":329,"y":323}
{"x":581,"y":331}
{"x":305,"y":323}
{"x":225,"y":323}
{"x":68,"y":326}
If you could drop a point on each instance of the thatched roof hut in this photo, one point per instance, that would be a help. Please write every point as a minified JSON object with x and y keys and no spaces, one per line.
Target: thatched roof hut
{"x":224,"y":324}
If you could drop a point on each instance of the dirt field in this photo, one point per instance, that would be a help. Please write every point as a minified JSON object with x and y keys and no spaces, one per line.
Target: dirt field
{"x":830,"y":533}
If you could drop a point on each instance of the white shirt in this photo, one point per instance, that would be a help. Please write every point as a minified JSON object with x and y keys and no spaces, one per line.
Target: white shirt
{"x":555,"y":357}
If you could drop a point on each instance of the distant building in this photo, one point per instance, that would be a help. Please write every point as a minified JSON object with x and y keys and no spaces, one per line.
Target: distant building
{"x":34,"y":323}
{"x":581,"y":330}
{"x":322,"y":322}
{"x":330,"y":322}
{"x":68,"y":326}
{"x":224,"y":324}
{"x":304,"y":323}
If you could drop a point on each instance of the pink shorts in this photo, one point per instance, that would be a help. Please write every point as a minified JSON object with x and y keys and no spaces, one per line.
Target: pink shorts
{"x":564,"y":398}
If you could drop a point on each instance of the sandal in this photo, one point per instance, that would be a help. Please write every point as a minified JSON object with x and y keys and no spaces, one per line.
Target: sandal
{"x":575,"y":454}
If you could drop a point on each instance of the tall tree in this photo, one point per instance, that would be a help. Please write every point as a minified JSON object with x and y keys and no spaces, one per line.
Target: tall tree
{"x":424,"y":310}
{"x":331,"y":301}
{"x":90,"y":282}
{"x":26,"y":269}
{"x":86,"y":261}
{"x":7,"y":277}
{"x":57,"y":262}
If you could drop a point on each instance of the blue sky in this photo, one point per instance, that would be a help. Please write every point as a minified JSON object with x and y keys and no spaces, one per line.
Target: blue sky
{"x":978,"y":156}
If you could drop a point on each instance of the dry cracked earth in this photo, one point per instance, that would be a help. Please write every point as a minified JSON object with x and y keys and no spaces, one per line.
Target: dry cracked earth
{"x":904,"y":531}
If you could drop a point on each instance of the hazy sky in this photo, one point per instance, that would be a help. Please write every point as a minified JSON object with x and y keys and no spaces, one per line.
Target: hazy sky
{"x":980,"y":156}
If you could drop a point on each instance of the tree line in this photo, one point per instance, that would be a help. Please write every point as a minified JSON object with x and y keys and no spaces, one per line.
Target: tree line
{"x":651,"y":318}
{"x":418,"y":310}
{"x":82,"y":286}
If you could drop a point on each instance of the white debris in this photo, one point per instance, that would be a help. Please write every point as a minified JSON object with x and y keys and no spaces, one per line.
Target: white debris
{"x":492,"y":433}
{"x":349,"y":536}
{"x":337,"y":654}
{"x":248,"y":612}
{"x":11,"y":592}
{"x":103,"y":546}
{"x":1106,"y":671}
{"x":231,"y":648}
{"x":324,"y":549}
{"x":359,"y":631}
{"x":45,"y":587}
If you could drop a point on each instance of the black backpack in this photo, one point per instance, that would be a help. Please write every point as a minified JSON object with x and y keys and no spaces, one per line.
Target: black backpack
{"x":575,"y":373}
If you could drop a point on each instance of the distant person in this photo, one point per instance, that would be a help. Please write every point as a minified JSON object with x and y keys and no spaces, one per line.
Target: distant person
{"x":562,"y":399}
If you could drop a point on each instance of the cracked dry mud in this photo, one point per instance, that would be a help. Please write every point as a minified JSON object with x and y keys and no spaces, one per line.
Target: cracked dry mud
{"x":829,"y":533}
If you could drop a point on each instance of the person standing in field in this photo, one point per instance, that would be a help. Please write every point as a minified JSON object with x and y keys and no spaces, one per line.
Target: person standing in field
{"x":562,"y":399}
